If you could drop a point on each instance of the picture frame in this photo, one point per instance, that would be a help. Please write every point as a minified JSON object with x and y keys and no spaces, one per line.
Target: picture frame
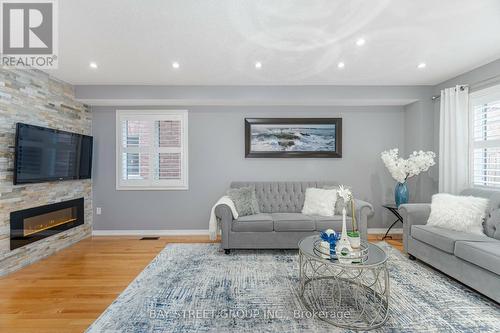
{"x":293,"y":137}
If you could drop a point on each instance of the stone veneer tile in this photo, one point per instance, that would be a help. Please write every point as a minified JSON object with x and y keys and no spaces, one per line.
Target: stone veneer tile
{"x":33,"y":97}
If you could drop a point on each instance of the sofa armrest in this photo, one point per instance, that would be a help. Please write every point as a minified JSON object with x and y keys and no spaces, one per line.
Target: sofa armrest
{"x":363,"y":211}
{"x":413,"y":214}
{"x":225,"y":217}
{"x":223,"y":212}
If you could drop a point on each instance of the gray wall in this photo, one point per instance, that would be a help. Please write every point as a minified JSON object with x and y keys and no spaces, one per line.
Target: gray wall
{"x":477,"y":78}
{"x":419,"y":135}
{"x":216,"y":157}
{"x":217,"y":144}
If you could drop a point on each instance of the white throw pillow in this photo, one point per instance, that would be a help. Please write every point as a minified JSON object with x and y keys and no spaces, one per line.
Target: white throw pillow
{"x":460,"y":213}
{"x":319,"y":201}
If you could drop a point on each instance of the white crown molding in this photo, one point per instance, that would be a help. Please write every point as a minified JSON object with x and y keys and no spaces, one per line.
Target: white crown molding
{"x":197,"y":232}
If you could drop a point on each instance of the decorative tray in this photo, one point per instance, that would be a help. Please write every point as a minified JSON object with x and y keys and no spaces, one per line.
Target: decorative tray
{"x":357,"y":256}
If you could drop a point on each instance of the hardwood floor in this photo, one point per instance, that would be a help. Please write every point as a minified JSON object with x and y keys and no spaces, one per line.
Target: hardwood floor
{"x":69,"y":290}
{"x":395,"y":240}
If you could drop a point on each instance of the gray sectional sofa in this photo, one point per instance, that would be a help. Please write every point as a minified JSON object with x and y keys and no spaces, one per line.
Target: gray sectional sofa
{"x":280,"y":225}
{"x":471,"y":259}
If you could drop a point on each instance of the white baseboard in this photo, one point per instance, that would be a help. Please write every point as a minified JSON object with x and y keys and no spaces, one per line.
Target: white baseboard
{"x":187,"y":232}
{"x":193,"y":232}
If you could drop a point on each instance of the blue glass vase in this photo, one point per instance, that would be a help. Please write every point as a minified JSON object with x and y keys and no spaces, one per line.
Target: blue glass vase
{"x":401,"y":194}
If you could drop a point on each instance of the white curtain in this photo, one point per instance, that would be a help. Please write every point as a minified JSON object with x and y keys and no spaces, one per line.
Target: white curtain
{"x":454,"y":134}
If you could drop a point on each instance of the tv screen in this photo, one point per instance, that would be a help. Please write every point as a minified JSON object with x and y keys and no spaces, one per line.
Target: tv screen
{"x":44,"y":154}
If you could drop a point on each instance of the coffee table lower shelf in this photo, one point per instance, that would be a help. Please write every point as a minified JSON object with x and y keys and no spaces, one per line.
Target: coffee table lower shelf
{"x":349,"y":296}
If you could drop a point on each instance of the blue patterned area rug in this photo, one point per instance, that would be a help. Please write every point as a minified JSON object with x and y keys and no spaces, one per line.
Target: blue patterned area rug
{"x":197,"y":288}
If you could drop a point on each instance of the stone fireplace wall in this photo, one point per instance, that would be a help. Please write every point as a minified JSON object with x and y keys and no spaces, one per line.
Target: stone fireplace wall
{"x":33,"y":97}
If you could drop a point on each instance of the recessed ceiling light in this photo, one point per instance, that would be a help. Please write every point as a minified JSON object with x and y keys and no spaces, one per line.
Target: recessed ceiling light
{"x":93,"y":64}
{"x":340,"y":65}
{"x":422,"y":65}
{"x":258,"y":65}
{"x":175,"y":65}
{"x":360,"y":42}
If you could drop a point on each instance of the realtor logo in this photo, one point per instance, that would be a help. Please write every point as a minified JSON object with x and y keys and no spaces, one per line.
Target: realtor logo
{"x":29,"y":33}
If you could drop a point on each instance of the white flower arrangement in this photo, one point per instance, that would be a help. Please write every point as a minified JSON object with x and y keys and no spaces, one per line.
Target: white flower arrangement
{"x":344,"y":193}
{"x":401,"y":169}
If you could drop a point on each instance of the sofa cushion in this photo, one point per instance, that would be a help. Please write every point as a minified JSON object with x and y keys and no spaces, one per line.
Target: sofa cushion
{"x":443,"y":239}
{"x":257,"y":222}
{"x":292,"y":222}
{"x":331,"y":222}
{"x":482,"y":254}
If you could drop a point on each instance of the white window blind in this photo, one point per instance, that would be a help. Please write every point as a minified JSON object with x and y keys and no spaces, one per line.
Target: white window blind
{"x":485,"y":159}
{"x":152,"y":150}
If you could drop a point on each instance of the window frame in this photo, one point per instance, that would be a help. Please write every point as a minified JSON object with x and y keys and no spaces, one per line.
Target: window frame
{"x":480,"y":97}
{"x":152,"y":184}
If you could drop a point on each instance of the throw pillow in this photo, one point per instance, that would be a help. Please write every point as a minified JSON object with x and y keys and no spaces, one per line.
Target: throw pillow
{"x":492,"y":223}
{"x":338,"y":204}
{"x":245,"y":200}
{"x":319,"y":202}
{"x":460,"y":213}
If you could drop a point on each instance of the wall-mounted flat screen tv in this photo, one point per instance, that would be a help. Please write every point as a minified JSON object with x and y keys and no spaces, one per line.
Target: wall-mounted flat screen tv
{"x":44,"y":154}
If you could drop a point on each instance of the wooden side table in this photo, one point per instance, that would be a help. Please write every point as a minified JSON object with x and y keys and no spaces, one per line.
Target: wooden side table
{"x":394,"y":210}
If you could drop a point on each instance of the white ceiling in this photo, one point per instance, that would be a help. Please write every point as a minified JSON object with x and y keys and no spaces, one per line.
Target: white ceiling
{"x":299,"y":42}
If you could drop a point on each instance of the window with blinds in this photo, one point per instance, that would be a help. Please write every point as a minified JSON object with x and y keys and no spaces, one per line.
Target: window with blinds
{"x":151,"y":150}
{"x":485,"y":113}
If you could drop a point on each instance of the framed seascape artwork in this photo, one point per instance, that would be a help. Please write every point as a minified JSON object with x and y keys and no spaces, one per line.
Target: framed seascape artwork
{"x":293,"y":137}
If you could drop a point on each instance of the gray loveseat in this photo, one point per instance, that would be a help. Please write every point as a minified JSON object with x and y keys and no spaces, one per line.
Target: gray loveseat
{"x":471,"y":259}
{"x":280,"y":225}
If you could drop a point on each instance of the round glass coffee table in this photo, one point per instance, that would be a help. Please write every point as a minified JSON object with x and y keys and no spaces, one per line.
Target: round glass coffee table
{"x":348,"y":295}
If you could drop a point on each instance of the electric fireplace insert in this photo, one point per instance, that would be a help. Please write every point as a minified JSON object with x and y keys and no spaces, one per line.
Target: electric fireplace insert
{"x":32,"y":224}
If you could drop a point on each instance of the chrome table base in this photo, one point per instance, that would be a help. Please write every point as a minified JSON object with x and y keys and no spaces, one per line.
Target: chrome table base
{"x":349,"y":296}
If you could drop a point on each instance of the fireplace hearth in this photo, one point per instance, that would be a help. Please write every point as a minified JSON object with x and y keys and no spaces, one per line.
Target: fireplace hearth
{"x":32,"y":224}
